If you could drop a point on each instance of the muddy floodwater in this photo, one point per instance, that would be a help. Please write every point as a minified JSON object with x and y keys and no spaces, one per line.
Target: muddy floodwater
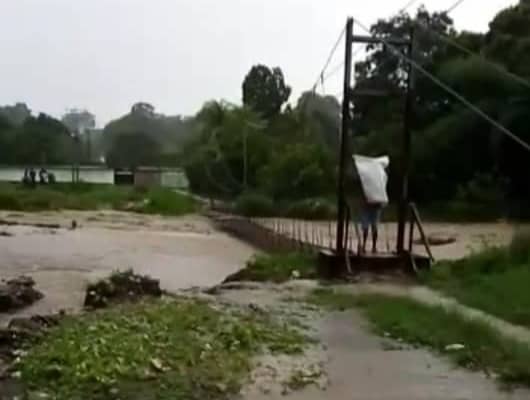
{"x":181,"y":252}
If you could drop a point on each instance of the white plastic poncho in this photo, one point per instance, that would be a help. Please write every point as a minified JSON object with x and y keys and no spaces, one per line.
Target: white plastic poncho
{"x":374,"y":178}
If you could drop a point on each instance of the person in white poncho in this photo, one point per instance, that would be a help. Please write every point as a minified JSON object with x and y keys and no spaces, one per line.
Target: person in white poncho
{"x":372,"y":173}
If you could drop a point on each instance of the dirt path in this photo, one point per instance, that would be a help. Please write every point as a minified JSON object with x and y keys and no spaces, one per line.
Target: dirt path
{"x":181,"y":252}
{"x":358,"y":365}
{"x":428,"y":296}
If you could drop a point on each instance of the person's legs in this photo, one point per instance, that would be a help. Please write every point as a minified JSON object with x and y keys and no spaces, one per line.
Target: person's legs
{"x":365,"y":226}
{"x":375,"y":217}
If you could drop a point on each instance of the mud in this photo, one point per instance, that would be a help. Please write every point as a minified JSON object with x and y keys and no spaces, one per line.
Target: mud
{"x":352,"y":363}
{"x":180,"y":252}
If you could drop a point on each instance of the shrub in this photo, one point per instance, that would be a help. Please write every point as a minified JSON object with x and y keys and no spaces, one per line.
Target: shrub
{"x":312,"y":209}
{"x":254,"y":205}
{"x":520,"y":246}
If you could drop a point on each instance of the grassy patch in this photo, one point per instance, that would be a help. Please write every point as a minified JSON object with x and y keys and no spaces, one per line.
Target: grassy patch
{"x":436,"y":328}
{"x":161,"y":349}
{"x":92,"y":197}
{"x":332,"y":300}
{"x":495,"y":280}
{"x":277,"y":268}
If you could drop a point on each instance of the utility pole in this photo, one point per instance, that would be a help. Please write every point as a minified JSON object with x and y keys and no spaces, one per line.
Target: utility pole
{"x":349,"y":95}
{"x":406,"y":152}
{"x":344,"y":144}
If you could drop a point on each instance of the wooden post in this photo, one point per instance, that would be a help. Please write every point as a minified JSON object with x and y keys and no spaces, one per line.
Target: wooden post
{"x":341,"y":198}
{"x":405,"y":160}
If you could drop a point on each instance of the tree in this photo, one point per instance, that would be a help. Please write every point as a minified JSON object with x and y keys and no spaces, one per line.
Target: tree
{"x":226,"y":150}
{"x":299,"y":171}
{"x":42,"y":140}
{"x":132,"y":150}
{"x":265,"y":90}
{"x":169,"y":132}
{"x":79,"y":121}
{"x":16,"y":114}
{"x":321,"y":116}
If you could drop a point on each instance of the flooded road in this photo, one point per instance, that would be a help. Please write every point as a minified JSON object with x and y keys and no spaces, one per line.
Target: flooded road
{"x":181,"y":252}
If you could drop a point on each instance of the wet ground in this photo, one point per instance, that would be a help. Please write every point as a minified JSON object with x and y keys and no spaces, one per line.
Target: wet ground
{"x":181,"y":252}
{"x":187,"y":252}
{"x":358,"y":365}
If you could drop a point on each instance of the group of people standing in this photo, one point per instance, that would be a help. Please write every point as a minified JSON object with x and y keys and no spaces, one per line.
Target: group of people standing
{"x":30,"y":177}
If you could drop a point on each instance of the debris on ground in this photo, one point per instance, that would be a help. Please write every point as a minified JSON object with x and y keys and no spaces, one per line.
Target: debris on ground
{"x":6,"y":234}
{"x":121,"y":286}
{"x":455,"y":347}
{"x":438,"y":239}
{"x":18,"y":293}
{"x":18,"y":335}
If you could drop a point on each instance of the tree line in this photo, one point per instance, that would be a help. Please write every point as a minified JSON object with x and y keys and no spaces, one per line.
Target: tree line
{"x":287,"y":151}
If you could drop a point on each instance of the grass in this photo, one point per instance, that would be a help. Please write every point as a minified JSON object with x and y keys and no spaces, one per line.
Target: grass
{"x":277,"y":268}
{"x":436,"y":328}
{"x":162,"y":349}
{"x":495,"y":280}
{"x":92,"y":197}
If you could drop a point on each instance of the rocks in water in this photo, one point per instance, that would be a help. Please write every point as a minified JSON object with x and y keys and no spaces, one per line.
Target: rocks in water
{"x":121,"y":286}
{"x":18,"y":293}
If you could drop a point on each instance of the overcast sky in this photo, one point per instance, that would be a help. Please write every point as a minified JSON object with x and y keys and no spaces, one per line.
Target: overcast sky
{"x":105,"y":55}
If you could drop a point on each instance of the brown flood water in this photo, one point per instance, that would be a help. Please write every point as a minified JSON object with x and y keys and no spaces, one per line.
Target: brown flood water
{"x":182,"y":253}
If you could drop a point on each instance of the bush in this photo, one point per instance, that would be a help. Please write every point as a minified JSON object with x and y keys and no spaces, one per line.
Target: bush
{"x":255,"y":205}
{"x":312,"y":209}
{"x":520,"y":246}
{"x":168,"y":202}
{"x":276,"y":268}
{"x":9,"y":201}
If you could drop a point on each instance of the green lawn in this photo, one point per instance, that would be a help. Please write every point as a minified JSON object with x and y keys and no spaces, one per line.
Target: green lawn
{"x":163,"y":349}
{"x":496,"y":281}
{"x":436,"y":328}
{"x":93,"y":197}
{"x":277,"y":268}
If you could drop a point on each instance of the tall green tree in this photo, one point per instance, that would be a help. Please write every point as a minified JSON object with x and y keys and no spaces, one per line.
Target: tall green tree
{"x":42,"y":140}
{"x":265,"y":90}
{"x":132,"y":150}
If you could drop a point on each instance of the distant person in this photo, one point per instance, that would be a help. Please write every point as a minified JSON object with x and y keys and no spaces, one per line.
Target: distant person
{"x":32,"y":177}
{"x":26,"y":180}
{"x":43,"y":176}
{"x":51,"y":178}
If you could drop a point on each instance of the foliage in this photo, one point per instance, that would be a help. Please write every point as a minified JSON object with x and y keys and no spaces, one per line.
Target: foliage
{"x":166,"y":132}
{"x":300,"y":171}
{"x":255,"y":205}
{"x":453,"y":147}
{"x":265,"y":91}
{"x":42,"y":140}
{"x":16,"y":114}
{"x":79,"y":121}
{"x":160,"y":349}
{"x":91,"y":197}
{"x":167,"y":202}
{"x":277,"y":268}
{"x":312,"y":209}
{"x":132,"y":150}
{"x":494,"y":280}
